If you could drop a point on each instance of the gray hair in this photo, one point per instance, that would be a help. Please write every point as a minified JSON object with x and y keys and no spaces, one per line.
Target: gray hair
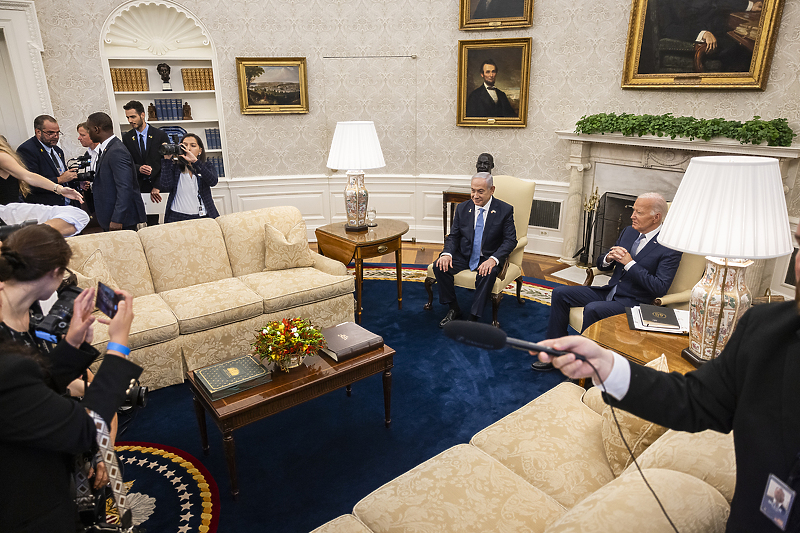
{"x":658,"y":203}
{"x":485,"y":176}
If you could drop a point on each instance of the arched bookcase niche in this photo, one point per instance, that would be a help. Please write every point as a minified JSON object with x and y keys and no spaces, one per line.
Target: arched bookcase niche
{"x":140,"y":35}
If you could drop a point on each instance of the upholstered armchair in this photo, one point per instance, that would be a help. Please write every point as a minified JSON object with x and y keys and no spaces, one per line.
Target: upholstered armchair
{"x":689,"y":272}
{"x":518,"y":193}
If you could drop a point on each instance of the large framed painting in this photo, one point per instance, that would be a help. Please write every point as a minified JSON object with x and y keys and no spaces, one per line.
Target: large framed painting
{"x":493,"y":76}
{"x":272,"y":85}
{"x":713,"y":44}
{"x":494,"y":14}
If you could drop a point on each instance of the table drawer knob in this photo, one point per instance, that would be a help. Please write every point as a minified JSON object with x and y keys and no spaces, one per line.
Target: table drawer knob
{"x":382,"y":249}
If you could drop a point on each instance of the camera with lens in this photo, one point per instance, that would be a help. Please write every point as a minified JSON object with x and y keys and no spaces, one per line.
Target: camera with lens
{"x":136,"y":396}
{"x":8,"y":229}
{"x":82,"y":166}
{"x":53,"y":326}
{"x":171,"y":149}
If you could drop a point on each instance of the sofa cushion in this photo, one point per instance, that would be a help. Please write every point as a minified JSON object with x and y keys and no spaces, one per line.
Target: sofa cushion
{"x":461,"y":489}
{"x":343,"y":524}
{"x":122,"y":254}
{"x":153,"y":323}
{"x":626,"y":505}
{"x":707,"y":455}
{"x":284,"y":289}
{"x":247,"y":253}
{"x":554,"y":443}
{"x":187,"y":253}
{"x":638,"y":432}
{"x":209,"y":305}
{"x":288,"y":250}
{"x":95,"y":269}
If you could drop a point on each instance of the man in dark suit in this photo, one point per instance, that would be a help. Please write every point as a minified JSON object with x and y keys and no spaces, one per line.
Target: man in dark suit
{"x":481,"y":238}
{"x":117,"y":200}
{"x":487,"y":100}
{"x":643,"y":271}
{"x":751,"y":389}
{"x":143,"y":142}
{"x":42,"y":156}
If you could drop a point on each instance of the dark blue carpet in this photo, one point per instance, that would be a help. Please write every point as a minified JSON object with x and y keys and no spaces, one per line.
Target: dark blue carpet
{"x":305,"y":466}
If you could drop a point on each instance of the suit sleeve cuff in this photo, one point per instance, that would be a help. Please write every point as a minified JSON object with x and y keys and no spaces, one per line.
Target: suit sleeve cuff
{"x":619,"y":379}
{"x":496,"y":261}
{"x":445,"y":253}
{"x":630,"y":264}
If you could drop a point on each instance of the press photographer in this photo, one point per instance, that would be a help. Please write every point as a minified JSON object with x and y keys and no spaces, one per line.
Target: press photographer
{"x":188,"y":177}
{"x":41,"y":429}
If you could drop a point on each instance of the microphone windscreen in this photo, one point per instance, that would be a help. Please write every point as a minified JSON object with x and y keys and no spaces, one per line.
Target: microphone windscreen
{"x":476,"y":334}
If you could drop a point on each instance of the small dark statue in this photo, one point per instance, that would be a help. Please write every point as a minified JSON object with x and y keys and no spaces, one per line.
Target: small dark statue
{"x":151,"y":113}
{"x":163,"y":71}
{"x":187,"y":111}
{"x":485,"y":163}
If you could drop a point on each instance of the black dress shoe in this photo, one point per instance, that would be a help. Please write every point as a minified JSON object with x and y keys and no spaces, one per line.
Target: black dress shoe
{"x":449,"y":317}
{"x":542,"y":367}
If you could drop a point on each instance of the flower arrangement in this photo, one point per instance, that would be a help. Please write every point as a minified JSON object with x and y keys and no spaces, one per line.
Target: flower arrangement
{"x":287,"y":342}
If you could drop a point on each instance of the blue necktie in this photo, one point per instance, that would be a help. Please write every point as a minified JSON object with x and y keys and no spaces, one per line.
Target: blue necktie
{"x":610,"y":295}
{"x":475,"y":256}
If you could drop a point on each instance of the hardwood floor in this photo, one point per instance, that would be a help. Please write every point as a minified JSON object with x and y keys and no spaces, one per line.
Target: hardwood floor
{"x":533,"y":265}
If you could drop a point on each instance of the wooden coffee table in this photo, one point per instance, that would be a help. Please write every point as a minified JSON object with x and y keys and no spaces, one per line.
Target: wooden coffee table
{"x":317,"y":376}
{"x":334,"y":242}
{"x":639,"y":346}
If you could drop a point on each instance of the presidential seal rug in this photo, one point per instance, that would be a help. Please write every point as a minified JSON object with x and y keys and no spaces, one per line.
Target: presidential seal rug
{"x":168,"y":489}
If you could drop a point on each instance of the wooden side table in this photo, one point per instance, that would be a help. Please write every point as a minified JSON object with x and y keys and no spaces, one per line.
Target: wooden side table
{"x":453,"y":196}
{"x":334,"y":242}
{"x":639,"y":346}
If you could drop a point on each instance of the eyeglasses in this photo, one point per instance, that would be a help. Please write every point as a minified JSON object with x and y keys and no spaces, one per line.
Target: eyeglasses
{"x":52,"y":133}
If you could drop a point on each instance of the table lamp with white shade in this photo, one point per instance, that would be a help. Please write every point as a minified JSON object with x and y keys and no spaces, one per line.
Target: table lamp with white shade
{"x":355,"y":147}
{"x":731,"y":209}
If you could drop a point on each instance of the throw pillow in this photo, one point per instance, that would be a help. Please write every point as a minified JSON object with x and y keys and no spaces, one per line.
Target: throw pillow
{"x":286,"y":251}
{"x":95,"y":269}
{"x":638,"y":433}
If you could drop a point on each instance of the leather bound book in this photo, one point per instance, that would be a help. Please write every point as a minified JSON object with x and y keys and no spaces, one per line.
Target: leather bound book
{"x":663,"y":317}
{"x":232,"y":376}
{"x":349,"y":340}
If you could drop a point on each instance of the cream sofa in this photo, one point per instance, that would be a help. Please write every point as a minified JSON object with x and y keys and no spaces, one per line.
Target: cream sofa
{"x":557,"y":465}
{"x":202,"y":287}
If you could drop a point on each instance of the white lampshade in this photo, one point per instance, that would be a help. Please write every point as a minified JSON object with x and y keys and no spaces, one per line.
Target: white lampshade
{"x":729,"y":206}
{"x":355,"y":146}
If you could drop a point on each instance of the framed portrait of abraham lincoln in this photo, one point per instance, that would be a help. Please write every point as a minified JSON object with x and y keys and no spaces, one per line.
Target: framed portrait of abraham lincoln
{"x":696,"y":44}
{"x":495,"y":14}
{"x":493,"y":77}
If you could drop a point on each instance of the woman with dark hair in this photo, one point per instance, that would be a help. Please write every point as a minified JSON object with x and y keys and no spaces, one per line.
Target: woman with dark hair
{"x":41,"y":430}
{"x":188,"y":178}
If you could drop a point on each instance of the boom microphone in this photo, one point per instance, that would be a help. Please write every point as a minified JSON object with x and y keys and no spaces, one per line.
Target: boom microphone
{"x":491,"y":338}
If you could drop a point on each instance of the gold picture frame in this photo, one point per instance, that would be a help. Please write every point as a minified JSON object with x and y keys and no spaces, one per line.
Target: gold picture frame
{"x":475,"y":105}
{"x":272,"y":85}
{"x":495,"y":14}
{"x":663,"y":50}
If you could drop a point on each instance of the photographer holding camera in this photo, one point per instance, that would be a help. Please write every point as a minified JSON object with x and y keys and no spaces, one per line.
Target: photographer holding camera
{"x":41,"y":430}
{"x":188,"y":177}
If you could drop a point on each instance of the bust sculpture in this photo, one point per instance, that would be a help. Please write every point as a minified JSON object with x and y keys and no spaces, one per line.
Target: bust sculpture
{"x":485,"y":163}
{"x":163,"y":71}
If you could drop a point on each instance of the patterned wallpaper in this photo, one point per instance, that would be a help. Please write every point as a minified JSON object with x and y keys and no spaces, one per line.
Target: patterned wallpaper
{"x":577,"y":56}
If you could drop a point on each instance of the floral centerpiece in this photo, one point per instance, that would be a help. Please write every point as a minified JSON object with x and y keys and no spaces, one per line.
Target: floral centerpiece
{"x":287,"y":342}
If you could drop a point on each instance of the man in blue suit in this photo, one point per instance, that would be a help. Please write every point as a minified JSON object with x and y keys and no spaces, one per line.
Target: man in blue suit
{"x":42,"y":156}
{"x":117,"y":200}
{"x":481,"y":238}
{"x":643,"y":271}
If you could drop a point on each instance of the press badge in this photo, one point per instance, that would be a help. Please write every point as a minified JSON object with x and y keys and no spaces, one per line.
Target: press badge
{"x":777,"y":501}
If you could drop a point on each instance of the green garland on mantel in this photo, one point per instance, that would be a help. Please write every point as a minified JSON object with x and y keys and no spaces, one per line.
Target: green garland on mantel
{"x":775,"y":132}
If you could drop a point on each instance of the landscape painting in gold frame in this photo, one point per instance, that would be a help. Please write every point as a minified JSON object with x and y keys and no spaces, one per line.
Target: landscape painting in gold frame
{"x":495,"y":14}
{"x":507,"y":105}
{"x":272,"y":85}
{"x":697,"y":44}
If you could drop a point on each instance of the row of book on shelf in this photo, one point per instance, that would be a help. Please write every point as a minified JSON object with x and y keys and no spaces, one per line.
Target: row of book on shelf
{"x":197,"y":79}
{"x":169,"y":108}
{"x":129,"y":79}
{"x":216,"y":160}
{"x":213,"y":142}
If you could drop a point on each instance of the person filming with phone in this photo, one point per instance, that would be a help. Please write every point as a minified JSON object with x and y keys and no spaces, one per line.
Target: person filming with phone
{"x":188,"y":177}
{"x":41,"y":428}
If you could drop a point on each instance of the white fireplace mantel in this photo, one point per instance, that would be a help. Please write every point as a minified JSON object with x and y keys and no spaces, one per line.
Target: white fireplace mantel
{"x":650,"y":152}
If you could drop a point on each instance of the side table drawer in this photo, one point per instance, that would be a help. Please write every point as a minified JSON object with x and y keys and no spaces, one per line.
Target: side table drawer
{"x":377,"y":250}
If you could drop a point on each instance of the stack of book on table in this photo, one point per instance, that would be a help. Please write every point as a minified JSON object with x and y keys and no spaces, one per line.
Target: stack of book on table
{"x":232,"y":376}
{"x":349,"y":340}
{"x":659,"y":319}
